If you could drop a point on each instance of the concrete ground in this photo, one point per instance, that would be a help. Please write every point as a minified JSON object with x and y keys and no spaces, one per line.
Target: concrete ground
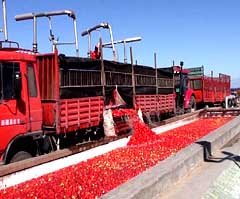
{"x":217,"y":177}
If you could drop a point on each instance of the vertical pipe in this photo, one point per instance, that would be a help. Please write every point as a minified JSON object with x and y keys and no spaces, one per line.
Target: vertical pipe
{"x":133,"y":77}
{"x":89,"y":44}
{"x":76,"y":37}
{"x":52,"y":39}
{"x":5,"y":20}
{"x":103,"y":81}
{"x":124,"y":48}
{"x":57,"y":90}
{"x":156,"y":76}
{"x":176,"y":99}
{"x":35,"y":47}
{"x":113,"y":47}
{"x":156,"y":72}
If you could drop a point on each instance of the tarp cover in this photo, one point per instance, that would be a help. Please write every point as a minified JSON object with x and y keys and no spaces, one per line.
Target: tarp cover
{"x":126,"y":91}
{"x":94,"y":64}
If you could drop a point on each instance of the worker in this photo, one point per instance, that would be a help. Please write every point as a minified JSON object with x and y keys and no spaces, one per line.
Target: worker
{"x":96,"y":54}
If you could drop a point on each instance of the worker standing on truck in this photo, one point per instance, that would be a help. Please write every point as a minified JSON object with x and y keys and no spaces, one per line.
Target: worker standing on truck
{"x":96,"y":54}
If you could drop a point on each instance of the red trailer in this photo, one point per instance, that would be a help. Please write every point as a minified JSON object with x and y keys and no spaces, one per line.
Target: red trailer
{"x":209,"y":90}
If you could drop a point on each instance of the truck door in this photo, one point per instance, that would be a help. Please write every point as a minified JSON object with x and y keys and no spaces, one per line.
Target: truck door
{"x":12,"y":106}
{"x":35,"y":109}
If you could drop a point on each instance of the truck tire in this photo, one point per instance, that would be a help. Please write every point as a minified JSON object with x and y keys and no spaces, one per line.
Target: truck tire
{"x":230,"y":103}
{"x":21,"y":155}
{"x":192,"y":104}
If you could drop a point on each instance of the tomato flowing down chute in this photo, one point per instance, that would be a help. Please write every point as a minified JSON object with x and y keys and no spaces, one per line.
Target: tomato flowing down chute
{"x":109,"y":126}
{"x":141,"y":132}
{"x":116,"y":99}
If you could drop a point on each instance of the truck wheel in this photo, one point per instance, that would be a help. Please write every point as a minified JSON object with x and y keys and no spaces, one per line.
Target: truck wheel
{"x":230,"y":103}
{"x":192,"y":104}
{"x":21,"y":155}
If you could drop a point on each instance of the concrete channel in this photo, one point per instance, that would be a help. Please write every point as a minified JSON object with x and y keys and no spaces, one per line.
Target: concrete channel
{"x":168,"y":172}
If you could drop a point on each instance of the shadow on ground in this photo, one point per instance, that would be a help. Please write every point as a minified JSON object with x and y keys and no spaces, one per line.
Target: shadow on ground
{"x":208,"y":157}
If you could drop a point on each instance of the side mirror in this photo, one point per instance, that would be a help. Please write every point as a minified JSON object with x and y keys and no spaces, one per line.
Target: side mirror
{"x":18,"y":84}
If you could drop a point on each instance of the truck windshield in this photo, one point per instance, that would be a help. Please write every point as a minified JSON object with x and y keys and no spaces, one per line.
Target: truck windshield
{"x":7,"y":79}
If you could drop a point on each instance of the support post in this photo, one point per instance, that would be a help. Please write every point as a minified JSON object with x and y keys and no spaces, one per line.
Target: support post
{"x":156,"y":72}
{"x":133,"y":77}
{"x":103,"y":81}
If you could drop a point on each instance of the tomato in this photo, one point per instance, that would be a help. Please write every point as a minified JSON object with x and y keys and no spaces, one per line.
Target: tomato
{"x":97,"y":176}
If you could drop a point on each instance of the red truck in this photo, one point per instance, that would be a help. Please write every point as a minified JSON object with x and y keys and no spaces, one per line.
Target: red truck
{"x":20,"y":104}
{"x":195,"y":90}
{"x":209,"y":90}
{"x":35,"y":114}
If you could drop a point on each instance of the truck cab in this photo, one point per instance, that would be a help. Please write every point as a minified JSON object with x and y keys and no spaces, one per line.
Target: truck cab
{"x":20,"y":105}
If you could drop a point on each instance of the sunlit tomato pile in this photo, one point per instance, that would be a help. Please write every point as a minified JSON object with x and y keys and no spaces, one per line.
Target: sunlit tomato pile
{"x":99,"y":175}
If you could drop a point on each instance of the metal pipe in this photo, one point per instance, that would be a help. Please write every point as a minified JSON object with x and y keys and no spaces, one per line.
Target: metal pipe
{"x":124,"y":51}
{"x":27,"y":16}
{"x":89,"y":45}
{"x":103,"y":78}
{"x":35,"y":44}
{"x":52,"y":39}
{"x":133,"y":75}
{"x":113,"y":47}
{"x":88,"y":33}
{"x":101,"y":25}
{"x":156,"y":72}
{"x":128,"y":40}
{"x":34,"y":16}
{"x":5,"y":29}
{"x":76,"y":36}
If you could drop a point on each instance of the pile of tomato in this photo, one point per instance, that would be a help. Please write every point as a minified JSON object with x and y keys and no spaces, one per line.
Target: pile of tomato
{"x":97,"y":176}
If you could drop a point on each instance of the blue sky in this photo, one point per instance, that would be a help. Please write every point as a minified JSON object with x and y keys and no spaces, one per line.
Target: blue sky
{"x":201,"y":32}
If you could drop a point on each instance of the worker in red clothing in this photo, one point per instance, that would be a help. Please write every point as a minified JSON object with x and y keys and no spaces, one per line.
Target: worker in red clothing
{"x":96,"y":54}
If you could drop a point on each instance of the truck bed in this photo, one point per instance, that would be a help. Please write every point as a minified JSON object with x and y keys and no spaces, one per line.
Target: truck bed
{"x":210,"y":89}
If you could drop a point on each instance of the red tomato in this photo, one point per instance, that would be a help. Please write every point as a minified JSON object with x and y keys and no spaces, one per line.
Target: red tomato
{"x":95,"y":177}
